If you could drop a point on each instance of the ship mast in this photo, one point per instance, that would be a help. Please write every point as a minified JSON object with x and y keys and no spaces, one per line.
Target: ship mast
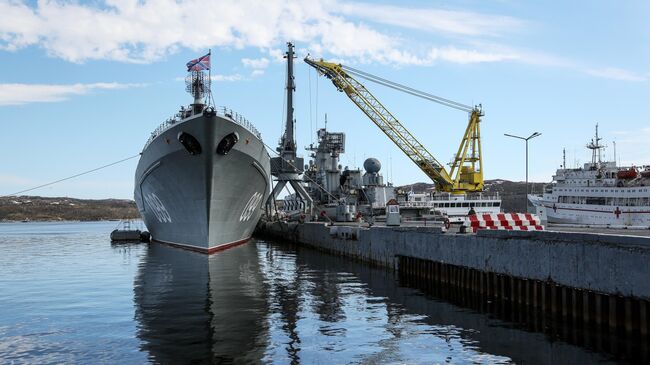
{"x":288,"y":167}
{"x":595,"y":148}
{"x":197,"y":82}
{"x":288,"y":143}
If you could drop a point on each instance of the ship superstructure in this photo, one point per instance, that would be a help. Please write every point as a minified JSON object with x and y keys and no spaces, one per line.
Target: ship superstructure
{"x":599,"y":193}
{"x":203,"y":175}
{"x":344,"y":194}
{"x":459,"y":188}
{"x":455,"y":207}
{"x":341,"y":193}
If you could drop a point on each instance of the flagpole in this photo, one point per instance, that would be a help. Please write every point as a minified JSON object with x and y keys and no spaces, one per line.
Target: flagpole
{"x":210,"y":77}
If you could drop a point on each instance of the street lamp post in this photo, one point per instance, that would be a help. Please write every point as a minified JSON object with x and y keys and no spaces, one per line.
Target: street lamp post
{"x":536,"y":134}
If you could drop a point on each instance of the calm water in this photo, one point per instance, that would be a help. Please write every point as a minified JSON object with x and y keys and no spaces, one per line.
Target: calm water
{"x":68,"y":296}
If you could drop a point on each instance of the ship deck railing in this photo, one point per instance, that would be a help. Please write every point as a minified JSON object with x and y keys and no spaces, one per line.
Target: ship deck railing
{"x":447,"y":197}
{"x":221,"y":111}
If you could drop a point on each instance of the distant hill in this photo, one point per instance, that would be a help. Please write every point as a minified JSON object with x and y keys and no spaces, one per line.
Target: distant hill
{"x":37,"y":208}
{"x":512,"y":193}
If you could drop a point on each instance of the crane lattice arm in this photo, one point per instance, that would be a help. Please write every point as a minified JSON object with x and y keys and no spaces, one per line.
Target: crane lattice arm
{"x":465,"y":175}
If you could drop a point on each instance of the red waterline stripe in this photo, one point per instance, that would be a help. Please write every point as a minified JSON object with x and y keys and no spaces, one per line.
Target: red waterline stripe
{"x":208,"y":251}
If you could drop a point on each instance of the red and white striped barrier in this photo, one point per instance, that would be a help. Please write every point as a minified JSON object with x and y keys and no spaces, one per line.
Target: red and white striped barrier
{"x":504,"y":221}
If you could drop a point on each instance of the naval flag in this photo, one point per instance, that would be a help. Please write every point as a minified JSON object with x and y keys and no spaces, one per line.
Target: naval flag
{"x":199,"y":64}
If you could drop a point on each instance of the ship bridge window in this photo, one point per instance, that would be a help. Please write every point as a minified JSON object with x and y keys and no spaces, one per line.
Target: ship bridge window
{"x":595,"y":201}
{"x":497,"y":204}
{"x":465,"y":205}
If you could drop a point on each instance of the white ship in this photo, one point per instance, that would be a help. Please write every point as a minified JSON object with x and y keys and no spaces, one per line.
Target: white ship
{"x":600,"y":193}
{"x":456,"y":207}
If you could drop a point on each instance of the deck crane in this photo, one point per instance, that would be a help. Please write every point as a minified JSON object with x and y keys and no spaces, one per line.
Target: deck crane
{"x":466,"y":172}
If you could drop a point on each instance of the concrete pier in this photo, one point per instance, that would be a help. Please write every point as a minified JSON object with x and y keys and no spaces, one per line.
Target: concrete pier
{"x":594,"y":279}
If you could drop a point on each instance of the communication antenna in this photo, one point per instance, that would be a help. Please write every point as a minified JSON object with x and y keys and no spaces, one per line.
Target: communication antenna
{"x":198,"y":83}
{"x":596,"y":148}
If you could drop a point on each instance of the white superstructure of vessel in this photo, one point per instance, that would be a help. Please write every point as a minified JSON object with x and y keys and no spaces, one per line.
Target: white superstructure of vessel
{"x":456,"y":207}
{"x":599,"y":193}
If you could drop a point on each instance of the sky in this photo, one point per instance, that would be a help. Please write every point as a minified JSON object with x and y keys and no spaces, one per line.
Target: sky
{"x":83,"y":84}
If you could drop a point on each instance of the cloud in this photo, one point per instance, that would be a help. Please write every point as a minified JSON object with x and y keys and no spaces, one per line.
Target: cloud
{"x":435,"y":20}
{"x":145,"y":31}
{"x":17,"y":94}
{"x":233,"y":77}
{"x":455,"y":55}
{"x":260,"y":63}
{"x":615,"y":74}
{"x":355,"y":32}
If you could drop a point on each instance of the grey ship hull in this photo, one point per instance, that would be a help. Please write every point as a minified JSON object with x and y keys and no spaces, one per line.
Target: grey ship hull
{"x":206,"y":201}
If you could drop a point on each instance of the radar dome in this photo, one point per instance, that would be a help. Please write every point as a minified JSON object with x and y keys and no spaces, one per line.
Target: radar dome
{"x":372,"y":165}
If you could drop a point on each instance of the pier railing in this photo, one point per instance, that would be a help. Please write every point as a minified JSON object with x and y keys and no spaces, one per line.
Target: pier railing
{"x":221,"y":111}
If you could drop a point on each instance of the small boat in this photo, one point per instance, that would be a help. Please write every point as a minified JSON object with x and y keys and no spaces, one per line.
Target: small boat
{"x":124,"y":232}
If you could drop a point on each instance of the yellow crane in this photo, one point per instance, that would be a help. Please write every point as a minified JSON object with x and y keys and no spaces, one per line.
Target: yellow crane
{"x":466,"y":172}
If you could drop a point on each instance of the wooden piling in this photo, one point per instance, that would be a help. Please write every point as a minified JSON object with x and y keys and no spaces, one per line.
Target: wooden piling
{"x":629,"y":314}
{"x":586,"y":307}
{"x":598,"y":306}
{"x":643,"y":318}
{"x":612,"y":315}
{"x":565,"y":301}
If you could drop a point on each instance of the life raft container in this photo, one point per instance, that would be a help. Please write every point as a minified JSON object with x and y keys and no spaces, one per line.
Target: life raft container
{"x":626,"y":174}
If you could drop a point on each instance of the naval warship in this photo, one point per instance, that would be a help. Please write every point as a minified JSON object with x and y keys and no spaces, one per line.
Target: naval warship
{"x":203,"y":174}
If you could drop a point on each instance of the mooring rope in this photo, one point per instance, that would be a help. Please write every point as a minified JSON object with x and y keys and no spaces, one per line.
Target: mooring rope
{"x":71,"y":177}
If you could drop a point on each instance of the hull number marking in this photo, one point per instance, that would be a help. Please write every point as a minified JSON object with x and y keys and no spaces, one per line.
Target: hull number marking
{"x":250,"y":207}
{"x":157,"y":208}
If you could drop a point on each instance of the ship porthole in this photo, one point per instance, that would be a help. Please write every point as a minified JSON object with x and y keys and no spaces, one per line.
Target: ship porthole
{"x":190,"y":143}
{"x":227,"y":143}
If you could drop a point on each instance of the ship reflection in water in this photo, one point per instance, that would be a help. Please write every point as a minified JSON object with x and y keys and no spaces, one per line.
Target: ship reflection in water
{"x":270,"y":303}
{"x":194,"y":308}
